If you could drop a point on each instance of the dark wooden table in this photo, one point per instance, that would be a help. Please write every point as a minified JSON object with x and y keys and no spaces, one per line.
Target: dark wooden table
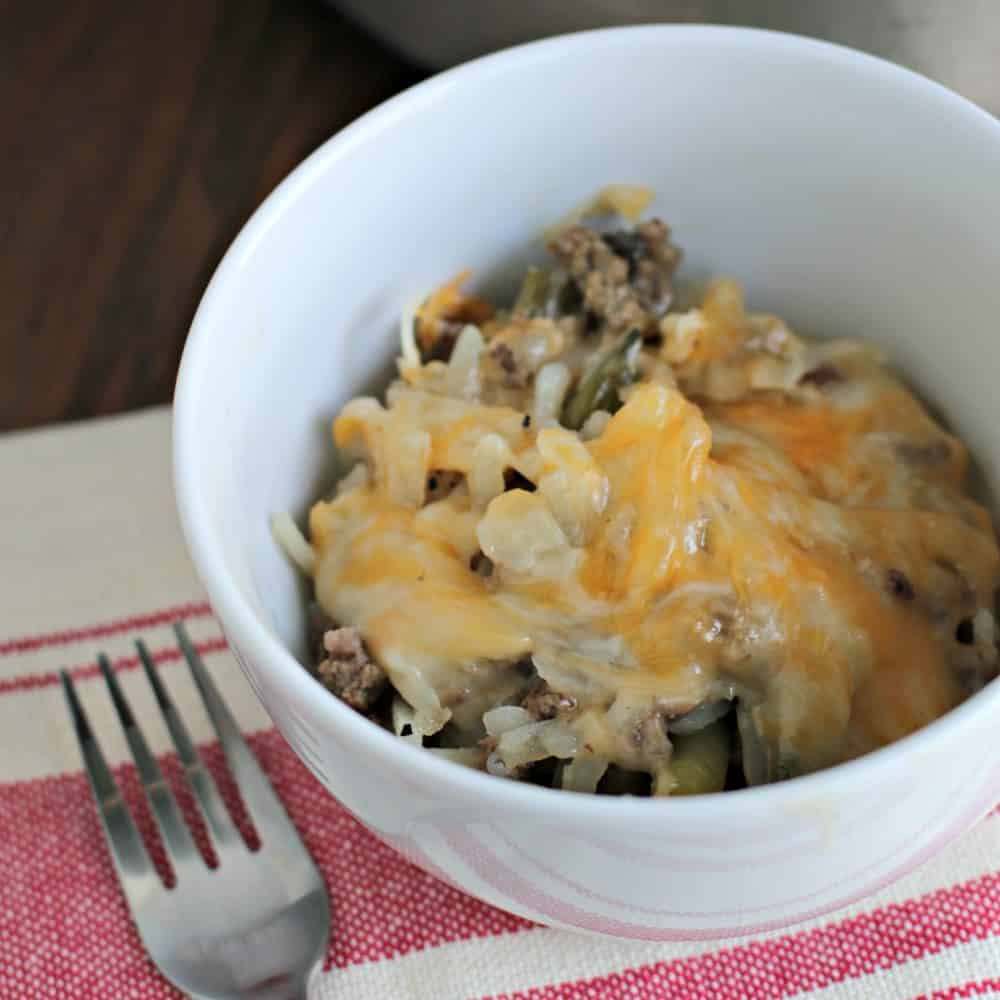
{"x":139,"y":138}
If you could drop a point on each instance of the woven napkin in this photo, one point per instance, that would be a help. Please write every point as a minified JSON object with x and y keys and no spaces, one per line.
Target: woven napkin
{"x":91,"y":557}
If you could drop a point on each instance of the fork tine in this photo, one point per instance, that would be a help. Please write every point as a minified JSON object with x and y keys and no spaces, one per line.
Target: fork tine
{"x":127,"y":849}
{"x":221,"y":827}
{"x":177,"y":838}
{"x":263,"y":804}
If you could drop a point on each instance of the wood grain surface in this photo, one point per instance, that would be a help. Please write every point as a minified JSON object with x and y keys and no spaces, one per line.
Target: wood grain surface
{"x":140,"y":136}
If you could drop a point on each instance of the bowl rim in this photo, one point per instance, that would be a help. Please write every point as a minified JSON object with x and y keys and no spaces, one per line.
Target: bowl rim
{"x":272,"y":657}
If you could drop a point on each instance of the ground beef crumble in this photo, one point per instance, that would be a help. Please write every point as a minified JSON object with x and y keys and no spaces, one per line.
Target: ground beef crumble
{"x":348,"y":671}
{"x":501,"y":366}
{"x":544,"y":703}
{"x":624,"y":278}
{"x":504,"y":357}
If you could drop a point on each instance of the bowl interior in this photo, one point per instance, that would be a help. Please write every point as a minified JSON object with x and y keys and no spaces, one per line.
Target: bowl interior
{"x":848,"y":196}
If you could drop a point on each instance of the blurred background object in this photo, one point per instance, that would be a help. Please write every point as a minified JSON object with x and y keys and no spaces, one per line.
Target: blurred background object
{"x":954,"y":41}
{"x":141,"y":136}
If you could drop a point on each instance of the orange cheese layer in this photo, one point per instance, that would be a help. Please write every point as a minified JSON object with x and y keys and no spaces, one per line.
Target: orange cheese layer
{"x":757,"y":567}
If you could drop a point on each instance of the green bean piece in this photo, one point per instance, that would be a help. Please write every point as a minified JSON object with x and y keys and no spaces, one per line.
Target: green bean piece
{"x":534,"y":294}
{"x":598,"y":389}
{"x":700,"y":760}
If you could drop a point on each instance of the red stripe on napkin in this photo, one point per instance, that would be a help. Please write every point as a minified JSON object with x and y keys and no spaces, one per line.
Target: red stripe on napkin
{"x":984,"y":988}
{"x":136,"y":623}
{"x":87,"y":671}
{"x":808,"y":960}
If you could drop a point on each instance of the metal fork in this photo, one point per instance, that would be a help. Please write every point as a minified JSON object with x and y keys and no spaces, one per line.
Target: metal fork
{"x":251,"y":929}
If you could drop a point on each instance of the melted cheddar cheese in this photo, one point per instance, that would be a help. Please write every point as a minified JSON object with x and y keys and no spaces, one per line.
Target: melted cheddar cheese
{"x":736,"y":530}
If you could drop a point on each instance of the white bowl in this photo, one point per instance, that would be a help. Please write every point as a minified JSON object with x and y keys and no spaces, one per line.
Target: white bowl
{"x":849,"y":195}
